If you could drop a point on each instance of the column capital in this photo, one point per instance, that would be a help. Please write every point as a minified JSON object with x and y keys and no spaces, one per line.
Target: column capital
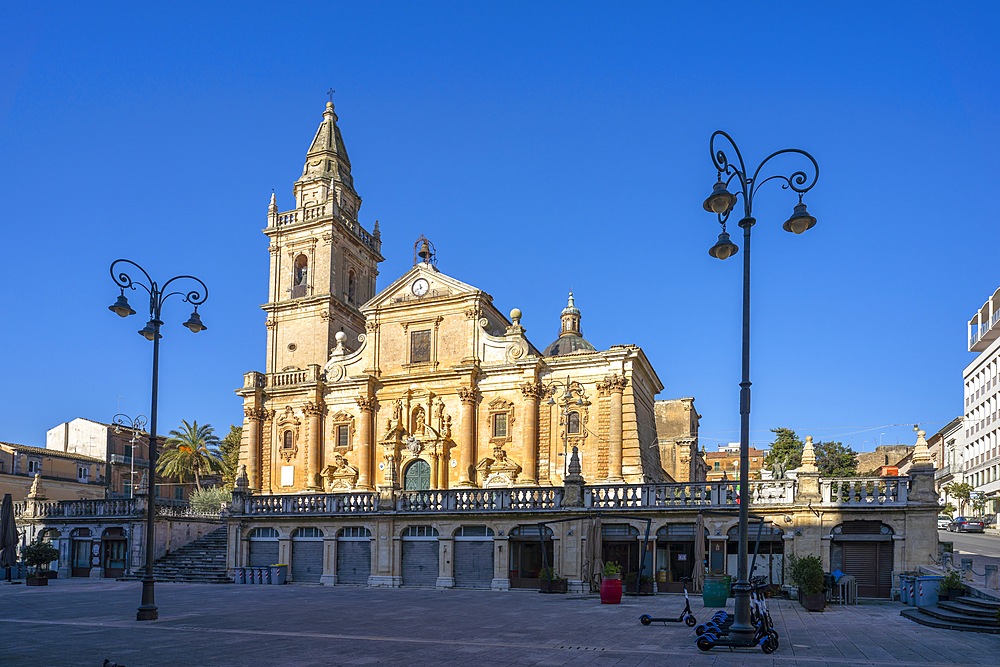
{"x":366,"y":403}
{"x":469,"y":395}
{"x":533,"y":390}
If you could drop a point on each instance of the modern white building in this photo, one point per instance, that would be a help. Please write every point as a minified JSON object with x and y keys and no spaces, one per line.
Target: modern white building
{"x":982,"y":403}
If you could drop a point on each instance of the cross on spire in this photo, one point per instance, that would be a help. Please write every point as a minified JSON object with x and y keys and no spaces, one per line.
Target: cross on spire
{"x":330,"y":93}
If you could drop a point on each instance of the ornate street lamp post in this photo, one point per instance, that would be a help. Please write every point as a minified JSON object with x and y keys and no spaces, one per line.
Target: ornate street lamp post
{"x":157,"y":295}
{"x":722,"y":203}
{"x":123,"y":421}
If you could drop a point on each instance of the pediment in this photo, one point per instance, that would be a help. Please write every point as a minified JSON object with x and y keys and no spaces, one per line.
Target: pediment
{"x":422,"y":282}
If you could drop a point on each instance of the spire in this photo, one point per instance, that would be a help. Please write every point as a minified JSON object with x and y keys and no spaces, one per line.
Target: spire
{"x":570,"y":334}
{"x":808,"y":457}
{"x":570,"y":319}
{"x":327,"y":170}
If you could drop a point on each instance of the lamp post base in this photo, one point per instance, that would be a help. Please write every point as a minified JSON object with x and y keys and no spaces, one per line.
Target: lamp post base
{"x":147,"y":610}
{"x":145,"y":613}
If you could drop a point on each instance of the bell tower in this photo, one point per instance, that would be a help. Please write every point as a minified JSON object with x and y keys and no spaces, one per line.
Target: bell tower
{"x":323,"y":262}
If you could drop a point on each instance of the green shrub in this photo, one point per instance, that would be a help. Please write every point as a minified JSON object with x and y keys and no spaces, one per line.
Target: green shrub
{"x":807,"y":574}
{"x":209,"y":500}
{"x":952,"y":580}
{"x":612,"y":568}
{"x":39,"y":554}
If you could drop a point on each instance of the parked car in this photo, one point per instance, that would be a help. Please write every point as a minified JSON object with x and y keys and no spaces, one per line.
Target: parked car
{"x":962,"y":524}
{"x":943,"y":522}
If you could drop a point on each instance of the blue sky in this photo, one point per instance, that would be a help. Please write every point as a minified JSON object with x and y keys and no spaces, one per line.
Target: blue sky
{"x":541,"y":147}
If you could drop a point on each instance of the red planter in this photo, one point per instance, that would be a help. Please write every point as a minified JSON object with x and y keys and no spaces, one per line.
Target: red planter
{"x":611,"y":591}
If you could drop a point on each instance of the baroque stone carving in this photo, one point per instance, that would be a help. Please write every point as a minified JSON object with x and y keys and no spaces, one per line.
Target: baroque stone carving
{"x":468,"y":395}
{"x":340,"y":475}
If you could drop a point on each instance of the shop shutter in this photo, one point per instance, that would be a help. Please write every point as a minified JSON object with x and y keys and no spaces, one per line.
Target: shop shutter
{"x":307,"y":561}
{"x":473,"y":564}
{"x":354,"y":562}
{"x":420,"y":562}
{"x":263,"y":554}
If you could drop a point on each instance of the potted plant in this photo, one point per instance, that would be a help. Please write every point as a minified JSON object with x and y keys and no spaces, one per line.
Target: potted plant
{"x":951,"y":586}
{"x":550,"y":582}
{"x":646,"y":585}
{"x":279,"y":573}
{"x":611,"y":583}
{"x":38,"y":555}
{"x":807,"y":575}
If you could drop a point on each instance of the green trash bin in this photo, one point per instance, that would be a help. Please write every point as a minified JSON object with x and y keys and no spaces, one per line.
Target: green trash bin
{"x":716,"y":591}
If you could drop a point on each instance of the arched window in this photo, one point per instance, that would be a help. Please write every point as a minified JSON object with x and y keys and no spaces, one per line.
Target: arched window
{"x":418,"y":476}
{"x":573,"y":423}
{"x":300,"y":277}
{"x":286,"y":440}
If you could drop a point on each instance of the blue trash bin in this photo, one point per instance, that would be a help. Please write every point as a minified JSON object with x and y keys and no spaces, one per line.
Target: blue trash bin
{"x":904,"y":588}
{"x":927,"y":590}
{"x":239,"y":575}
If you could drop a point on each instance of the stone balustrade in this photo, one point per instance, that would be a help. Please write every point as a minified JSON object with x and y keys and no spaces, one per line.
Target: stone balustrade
{"x":480,"y":500}
{"x":864,"y":491}
{"x":292,"y":378}
{"x":314,"y":504}
{"x":41,"y":509}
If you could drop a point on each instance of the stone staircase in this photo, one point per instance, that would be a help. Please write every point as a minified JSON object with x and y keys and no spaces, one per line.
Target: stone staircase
{"x":968,"y":614}
{"x":202,"y":561}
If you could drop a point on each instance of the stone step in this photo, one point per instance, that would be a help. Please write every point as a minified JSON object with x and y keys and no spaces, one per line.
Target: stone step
{"x":931,"y":617}
{"x":967,"y":609}
{"x":991,"y":605}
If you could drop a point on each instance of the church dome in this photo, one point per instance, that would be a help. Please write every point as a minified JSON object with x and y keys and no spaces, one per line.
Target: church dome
{"x":570,"y":334}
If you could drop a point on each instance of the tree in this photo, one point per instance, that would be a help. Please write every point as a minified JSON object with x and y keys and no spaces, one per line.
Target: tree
{"x":191,"y":452}
{"x":229,"y":448}
{"x":836,"y":460}
{"x":786,"y":452}
{"x":960,"y":491}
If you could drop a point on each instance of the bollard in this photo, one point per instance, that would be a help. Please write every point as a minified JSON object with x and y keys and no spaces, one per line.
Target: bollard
{"x":967,"y":569}
{"x":946,"y":562}
{"x":992,"y":577}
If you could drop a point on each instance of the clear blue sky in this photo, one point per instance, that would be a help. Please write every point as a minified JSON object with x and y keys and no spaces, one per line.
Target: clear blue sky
{"x":542,"y":147}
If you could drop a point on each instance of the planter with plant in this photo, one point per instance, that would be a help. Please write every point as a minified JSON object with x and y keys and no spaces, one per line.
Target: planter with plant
{"x":951,"y":586}
{"x":37,"y":556}
{"x":550,"y":582}
{"x":611,"y":583}
{"x":807,"y":574}
{"x":646,"y":585}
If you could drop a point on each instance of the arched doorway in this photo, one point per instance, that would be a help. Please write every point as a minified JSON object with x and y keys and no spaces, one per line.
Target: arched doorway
{"x":526,"y":559}
{"x":675,"y":556}
{"x":417,"y":476}
{"x":354,"y":555}
{"x":114,"y":547}
{"x":770,"y":560}
{"x":473,"y":557}
{"x":863,"y":550}
{"x":263,"y":547}
{"x":307,"y":555}
{"x":420,"y":556}
{"x":80,"y":545}
{"x":620,"y":544}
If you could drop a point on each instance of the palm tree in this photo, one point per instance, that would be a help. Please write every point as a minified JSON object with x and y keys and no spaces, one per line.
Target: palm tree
{"x":193,"y":451}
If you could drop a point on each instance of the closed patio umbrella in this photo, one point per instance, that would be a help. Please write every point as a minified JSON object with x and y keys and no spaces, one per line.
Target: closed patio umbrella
{"x":595,"y":564}
{"x":8,"y":535}
{"x":698,"y":571}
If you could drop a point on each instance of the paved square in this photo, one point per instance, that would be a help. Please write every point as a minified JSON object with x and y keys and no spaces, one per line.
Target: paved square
{"x":82,"y":622}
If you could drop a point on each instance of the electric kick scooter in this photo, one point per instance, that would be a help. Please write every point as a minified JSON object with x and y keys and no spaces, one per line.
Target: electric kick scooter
{"x":685,"y":617}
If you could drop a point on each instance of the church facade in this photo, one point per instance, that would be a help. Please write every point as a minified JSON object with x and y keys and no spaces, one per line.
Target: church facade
{"x":426,"y":384}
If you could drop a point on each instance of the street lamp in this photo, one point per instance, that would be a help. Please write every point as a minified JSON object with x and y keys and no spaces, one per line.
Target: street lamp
{"x":157,"y":295}
{"x":123,"y":421}
{"x":722,"y":203}
{"x":570,"y":392}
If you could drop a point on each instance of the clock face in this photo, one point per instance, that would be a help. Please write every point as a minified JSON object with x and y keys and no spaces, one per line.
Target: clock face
{"x":419,"y":287}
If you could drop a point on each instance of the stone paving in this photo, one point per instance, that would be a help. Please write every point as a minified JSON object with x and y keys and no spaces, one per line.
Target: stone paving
{"x":81,"y":622}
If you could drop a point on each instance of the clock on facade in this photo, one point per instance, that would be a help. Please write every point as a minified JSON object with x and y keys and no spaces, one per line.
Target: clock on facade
{"x":419,"y":287}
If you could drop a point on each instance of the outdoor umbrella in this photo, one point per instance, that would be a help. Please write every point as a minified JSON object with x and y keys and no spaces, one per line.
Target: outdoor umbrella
{"x":595,"y":565}
{"x":8,"y":535}
{"x":698,"y":572}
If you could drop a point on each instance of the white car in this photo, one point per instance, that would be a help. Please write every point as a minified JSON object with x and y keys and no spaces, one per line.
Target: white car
{"x":943,"y":522}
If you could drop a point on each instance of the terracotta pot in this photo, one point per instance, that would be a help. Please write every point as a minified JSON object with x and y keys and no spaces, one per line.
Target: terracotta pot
{"x":611,"y":590}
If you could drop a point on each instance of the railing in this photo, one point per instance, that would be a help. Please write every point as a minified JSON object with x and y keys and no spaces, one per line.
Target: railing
{"x":772,"y":492}
{"x":292,"y":378}
{"x":864,"y":491}
{"x":78,"y":508}
{"x":185,"y":512}
{"x":320,"y":503}
{"x":480,"y":500}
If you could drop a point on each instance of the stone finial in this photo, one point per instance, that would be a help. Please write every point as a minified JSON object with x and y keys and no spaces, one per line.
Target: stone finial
{"x":37,"y":492}
{"x":921,"y":455}
{"x":808,"y":457}
{"x":242,"y":481}
{"x":341,"y":348}
{"x":273,"y":206}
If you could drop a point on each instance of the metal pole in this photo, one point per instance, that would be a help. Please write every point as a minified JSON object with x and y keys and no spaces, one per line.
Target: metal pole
{"x":131,"y":468}
{"x":147,"y":610}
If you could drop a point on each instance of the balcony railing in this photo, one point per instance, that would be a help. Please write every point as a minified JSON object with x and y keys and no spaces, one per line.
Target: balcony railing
{"x":79,"y":508}
{"x":318,"y":504}
{"x":864,"y":491}
{"x":480,"y":500}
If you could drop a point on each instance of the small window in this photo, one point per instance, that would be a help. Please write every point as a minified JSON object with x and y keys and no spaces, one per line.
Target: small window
{"x":34,"y":466}
{"x":83,"y":473}
{"x":178,"y":493}
{"x":343,"y":435}
{"x":300,"y":277}
{"x":286,"y":440}
{"x":420,"y":347}
{"x":352,"y":287}
{"x":500,"y":425}
{"x":715,"y":466}
{"x":263,"y":533}
{"x":573,"y":423}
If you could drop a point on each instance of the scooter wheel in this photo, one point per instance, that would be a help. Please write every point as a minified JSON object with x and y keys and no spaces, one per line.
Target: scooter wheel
{"x":700,"y":630}
{"x":767,"y":646}
{"x":645,"y":619}
{"x":773,"y":634}
{"x":705,"y":644}
{"x":690,"y":621}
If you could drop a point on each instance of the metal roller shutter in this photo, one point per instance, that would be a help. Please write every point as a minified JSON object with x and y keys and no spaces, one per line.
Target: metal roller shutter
{"x":870,"y":563}
{"x":354,"y":562}
{"x":263,"y":554}
{"x":420,"y":562}
{"x":307,"y":561}
{"x":473,"y":564}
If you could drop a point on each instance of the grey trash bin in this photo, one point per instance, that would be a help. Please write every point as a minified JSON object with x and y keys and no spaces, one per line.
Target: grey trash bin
{"x":905,"y":580}
{"x":927,"y":590}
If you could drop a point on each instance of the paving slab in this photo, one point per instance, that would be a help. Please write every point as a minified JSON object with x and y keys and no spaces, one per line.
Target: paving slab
{"x":82,"y":622}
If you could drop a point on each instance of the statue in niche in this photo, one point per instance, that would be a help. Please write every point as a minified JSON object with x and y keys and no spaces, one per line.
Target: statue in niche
{"x":418,"y":420}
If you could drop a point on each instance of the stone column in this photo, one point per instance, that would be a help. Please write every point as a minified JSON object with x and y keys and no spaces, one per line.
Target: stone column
{"x":367,"y":406}
{"x":617,"y":386}
{"x":254,"y":416}
{"x":315,"y":412}
{"x":443,"y":467}
{"x":467,"y":459}
{"x":532,"y":392}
